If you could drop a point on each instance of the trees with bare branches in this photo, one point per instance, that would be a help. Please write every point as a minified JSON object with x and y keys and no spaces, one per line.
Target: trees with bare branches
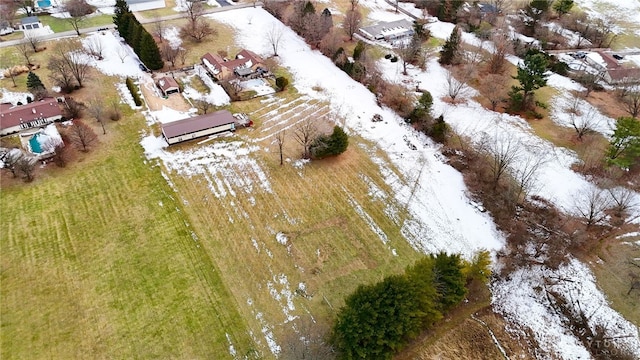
{"x":501,"y":153}
{"x":81,"y":135}
{"x":273,"y":36}
{"x":10,"y":158}
{"x":280,"y":137}
{"x":26,"y":166}
{"x":95,"y":47}
{"x":169,"y":54}
{"x":202,"y":105}
{"x":351,"y":22}
{"x":502,"y":44}
{"x":457,"y":79}
{"x":96,"y":109}
{"x":122,"y":53}
{"x":68,"y":64}
{"x":198,"y":30}
{"x":33,"y":39}
{"x":631,"y":101}
{"x":78,"y":11}
{"x":584,"y":124}
{"x":305,"y":132}
{"x":591,"y":204}
{"x":494,"y":88}
{"x":24,"y":49}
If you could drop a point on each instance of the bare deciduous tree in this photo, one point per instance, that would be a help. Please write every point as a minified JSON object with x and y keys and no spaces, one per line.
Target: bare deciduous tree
{"x":623,"y":200}
{"x":631,"y":101}
{"x":503,"y":46}
{"x":457,"y":87}
{"x":273,"y":36}
{"x":591,"y":204}
{"x":198,"y":30}
{"x":33,"y":40}
{"x":305,"y":132}
{"x":354,"y":4}
{"x":351,"y":22}
{"x":280,"y":137}
{"x":24,"y":48}
{"x":524,"y":172}
{"x":81,"y":135}
{"x":182,"y":54}
{"x":408,"y":52}
{"x":10,"y":158}
{"x":97,"y":110}
{"x":78,"y":11}
{"x":494,"y":88}
{"x":584,"y":124}
{"x":158,"y":27}
{"x":61,"y":74}
{"x":95,"y":47}
{"x":26,"y":166}
{"x":9,"y":60}
{"x":501,"y":153}
{"x":122,"y":53}
{"x":202,"y":105}
{"x":170,"y":54}
{"x":306,"y":339}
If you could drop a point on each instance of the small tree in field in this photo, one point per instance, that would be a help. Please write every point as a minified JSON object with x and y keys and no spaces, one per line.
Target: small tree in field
{"x":531,"y":75}
{"x":280,"y":137}
{"x":332,"y":145}
{"x":34,"y":84}
{"x":81,"y":135}
{"x":78,"y":11}
{"x":26,"y":166}
{"x":351,"y":22}
{"x":450,"y":50}
{"x":282,"y":83}
{"x":304,"y":133}
{"x":624,"y":148}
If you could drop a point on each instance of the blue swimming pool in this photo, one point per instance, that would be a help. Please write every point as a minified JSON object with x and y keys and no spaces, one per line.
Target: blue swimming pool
{"x":44,"y":3}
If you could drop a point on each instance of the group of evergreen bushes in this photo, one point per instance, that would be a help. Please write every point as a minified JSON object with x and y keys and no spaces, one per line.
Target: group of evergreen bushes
{"x":137,"y":36}
{"x":379,"y":319}
{"x":133,"y":89}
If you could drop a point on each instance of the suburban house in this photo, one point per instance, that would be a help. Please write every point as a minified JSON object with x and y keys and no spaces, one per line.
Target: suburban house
{"x":245,"y":64}
{"x":388,"y":31}
{"x":610,"y":69}
{"x":30,"y":23}
{"x":168,"y":85}
{"x":142,"y":5}
{"x":198,"y":126}
{"x":17,"y":118}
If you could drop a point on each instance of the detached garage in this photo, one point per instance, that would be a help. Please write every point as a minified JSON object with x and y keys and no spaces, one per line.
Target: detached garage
{"x":199,"y":126}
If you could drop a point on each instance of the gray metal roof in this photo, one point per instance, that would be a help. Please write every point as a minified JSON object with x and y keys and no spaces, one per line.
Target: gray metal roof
{"x":197,"y":123}
{"x":382,"y":27}
{"x":29,"y":20}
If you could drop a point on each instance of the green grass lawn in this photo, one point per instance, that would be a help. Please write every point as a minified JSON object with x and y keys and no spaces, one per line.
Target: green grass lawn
{"x":99,"y":261}
{"x":60,"y":25}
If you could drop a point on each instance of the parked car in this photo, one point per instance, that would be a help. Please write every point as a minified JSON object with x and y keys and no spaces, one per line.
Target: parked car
{"x":143,"y":68}
{"x":618,"y":57}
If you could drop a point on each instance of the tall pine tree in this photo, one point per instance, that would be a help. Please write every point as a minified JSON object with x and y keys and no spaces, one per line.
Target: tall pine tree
{"x":120,"y":11}
{"x":34,"y":83}
{"x":450,"y":49}
{"x":149,"y":52}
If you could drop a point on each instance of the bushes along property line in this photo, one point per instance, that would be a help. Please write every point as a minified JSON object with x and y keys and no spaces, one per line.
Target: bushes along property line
{"x":133,"y":89}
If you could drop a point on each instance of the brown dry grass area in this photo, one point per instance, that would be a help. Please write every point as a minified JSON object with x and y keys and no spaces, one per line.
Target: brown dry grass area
{"x":155,"y":101}
{"x":607,"y":103}
{"x":468,"y":339}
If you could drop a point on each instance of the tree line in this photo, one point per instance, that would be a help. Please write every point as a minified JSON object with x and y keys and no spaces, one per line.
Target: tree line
{"x":137,"y":36}
{"x":378,"y":320}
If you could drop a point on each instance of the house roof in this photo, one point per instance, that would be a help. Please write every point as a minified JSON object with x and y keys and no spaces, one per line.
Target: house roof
{"x":11,"y":116}
{"x":197,"y":123}
{"x":245,"y":58}
{"x":611,"y":62}
{"x":385,"y":28}
{"x":29,"y":20}
{"x":166,"y":83}
{"x":622,"y":74}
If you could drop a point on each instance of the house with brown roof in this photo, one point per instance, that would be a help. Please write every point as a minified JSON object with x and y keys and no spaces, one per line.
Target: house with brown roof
{"x":198,"y":126}
{"x":615,"y":73}
{"x":168,"y":85}
{"x":245,"y":64}
{"x":36,"y":114}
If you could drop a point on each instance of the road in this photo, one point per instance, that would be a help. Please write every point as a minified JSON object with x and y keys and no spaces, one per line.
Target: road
{"x":224,"y":6}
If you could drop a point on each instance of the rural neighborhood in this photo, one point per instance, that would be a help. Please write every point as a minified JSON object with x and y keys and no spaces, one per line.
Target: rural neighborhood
{"x":330,"y":179}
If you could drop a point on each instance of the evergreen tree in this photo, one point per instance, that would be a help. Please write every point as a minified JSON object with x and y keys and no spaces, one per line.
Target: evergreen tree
{"x":421,"y":274}
{"x":34,"y":84}
{"x":624,"y":148}
{"x":378,"y":319}
{"x":450,"y":281}
{"x":563,"y":7}
{"x":149,"y":52}
{"x":531,"y":76}
{"x":449,"y":52}
{"x":334,"y":144}
{"x":282,"y":82}
{"x":308,"y":9}
{"x":120,"y":11}
{"x":125,"y":28}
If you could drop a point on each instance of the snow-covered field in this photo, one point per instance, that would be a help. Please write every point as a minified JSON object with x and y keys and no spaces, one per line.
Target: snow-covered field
{"x":442,"y":215}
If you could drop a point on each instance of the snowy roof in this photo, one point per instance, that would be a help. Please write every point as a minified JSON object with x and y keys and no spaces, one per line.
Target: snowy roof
{"x":11,"y":116}
{"x":29,"y":20}
{"x":197,"y":123}
{"x":386,"y":28}
{"x":244,"y":58}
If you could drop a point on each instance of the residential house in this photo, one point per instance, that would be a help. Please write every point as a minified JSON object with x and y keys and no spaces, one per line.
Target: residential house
{"x":198,"y":126}
{"x":37,"y":114}
{"x":245,"y":64}
{"x":168,"y":85}
{"x":612,"y":71}
{"x":30,"y":23}
{"x":388,"y":31}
